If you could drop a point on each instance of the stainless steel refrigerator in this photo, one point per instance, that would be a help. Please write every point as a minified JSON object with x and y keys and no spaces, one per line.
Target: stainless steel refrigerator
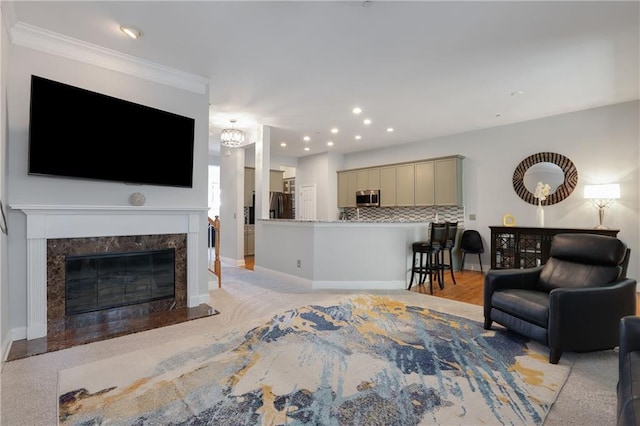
{"x":281,"y":206}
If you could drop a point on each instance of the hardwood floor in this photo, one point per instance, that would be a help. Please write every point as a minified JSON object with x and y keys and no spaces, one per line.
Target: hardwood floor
{"x":468,"y":288}
{"x":249,"y":262}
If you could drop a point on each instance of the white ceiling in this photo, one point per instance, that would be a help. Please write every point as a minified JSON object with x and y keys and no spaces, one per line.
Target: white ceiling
{"x":424,"y":68}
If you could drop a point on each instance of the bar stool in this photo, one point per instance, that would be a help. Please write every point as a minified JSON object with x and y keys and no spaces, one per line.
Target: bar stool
{"x":426,"y":255}
{"x":449,"y":244}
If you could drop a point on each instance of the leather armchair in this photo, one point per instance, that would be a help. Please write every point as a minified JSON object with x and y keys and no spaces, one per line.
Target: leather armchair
{"x":628,"y":391}
{"x":574,"y":302}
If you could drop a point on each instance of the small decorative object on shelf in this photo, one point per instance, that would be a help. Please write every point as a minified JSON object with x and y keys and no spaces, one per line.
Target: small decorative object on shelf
{"x":137,"y":199}
{"x":508,"y":220}
{"x":542,"y":192}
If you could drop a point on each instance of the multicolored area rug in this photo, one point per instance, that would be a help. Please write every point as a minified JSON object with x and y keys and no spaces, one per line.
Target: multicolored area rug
{"x":364,"y":360}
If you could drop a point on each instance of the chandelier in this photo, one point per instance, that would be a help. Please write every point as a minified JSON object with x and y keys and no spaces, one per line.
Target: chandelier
{"x":232,"y":137}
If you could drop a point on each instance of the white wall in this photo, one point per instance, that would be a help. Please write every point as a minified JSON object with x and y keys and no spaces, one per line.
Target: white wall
{"x":24,"y":189}
{"x":275,"y":160}
{"x":5,"y":337}
{"x":320,"y":169}
{"x":603,"y":143}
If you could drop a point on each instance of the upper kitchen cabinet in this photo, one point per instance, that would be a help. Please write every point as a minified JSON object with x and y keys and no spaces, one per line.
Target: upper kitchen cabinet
{"x":405,"y":188}
{"x":448,"y":181}
{"x":397,"y":185}
{"x":347,"y":187}
{"x":368,"y":179}
{"x":276,"y":181}
{"x":429,"y":182}
{"x":425,"y":184}
{"x":388,"y":186}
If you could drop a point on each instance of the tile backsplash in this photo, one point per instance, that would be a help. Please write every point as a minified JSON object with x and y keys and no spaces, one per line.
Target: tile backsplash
{"x":402,"y":214}
{"x":409,"y":214}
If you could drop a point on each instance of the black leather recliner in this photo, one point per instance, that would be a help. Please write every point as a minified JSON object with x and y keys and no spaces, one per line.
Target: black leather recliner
{"x":628,"y":390}
{"x":574,"y":302}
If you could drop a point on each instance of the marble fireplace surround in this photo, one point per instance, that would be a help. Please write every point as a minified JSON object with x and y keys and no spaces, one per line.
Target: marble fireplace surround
{"x":58,"y":222}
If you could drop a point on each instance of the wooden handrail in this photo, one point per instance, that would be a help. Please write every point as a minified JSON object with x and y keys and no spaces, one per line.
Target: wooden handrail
{"x":216,"y":263}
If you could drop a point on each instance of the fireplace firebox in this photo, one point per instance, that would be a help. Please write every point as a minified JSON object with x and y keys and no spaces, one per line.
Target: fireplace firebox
{"x":96,"y":282}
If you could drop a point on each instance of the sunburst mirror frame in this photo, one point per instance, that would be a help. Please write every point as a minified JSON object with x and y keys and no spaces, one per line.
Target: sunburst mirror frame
{"x":562,"y":192}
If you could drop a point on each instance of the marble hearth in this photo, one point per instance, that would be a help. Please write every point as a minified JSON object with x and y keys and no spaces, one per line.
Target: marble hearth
{"x":45,"y":223}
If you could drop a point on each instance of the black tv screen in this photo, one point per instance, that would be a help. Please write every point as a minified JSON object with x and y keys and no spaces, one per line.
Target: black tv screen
{"x":77,"y":133}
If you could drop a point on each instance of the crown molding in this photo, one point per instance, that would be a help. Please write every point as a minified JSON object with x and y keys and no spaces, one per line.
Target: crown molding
{"x":7,"y":9}
{"x":46,"y":41}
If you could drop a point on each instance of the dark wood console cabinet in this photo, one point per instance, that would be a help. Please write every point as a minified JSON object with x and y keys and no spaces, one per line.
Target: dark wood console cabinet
{"x":518,"y":247}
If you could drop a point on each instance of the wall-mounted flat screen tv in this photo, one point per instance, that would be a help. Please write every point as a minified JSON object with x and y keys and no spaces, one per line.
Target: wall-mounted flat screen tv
{"x":76,"y":133}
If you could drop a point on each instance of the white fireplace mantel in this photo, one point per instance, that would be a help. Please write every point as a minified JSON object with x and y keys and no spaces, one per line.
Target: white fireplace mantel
{"x":72,"y":221}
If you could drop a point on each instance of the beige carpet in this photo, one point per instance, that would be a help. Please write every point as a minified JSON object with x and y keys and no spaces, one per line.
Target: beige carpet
{"x":29,"y":386}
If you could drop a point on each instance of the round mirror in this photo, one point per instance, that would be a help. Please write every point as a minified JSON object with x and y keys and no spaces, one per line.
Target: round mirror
{"x":548,"y":173}
{"x":546,"y":167}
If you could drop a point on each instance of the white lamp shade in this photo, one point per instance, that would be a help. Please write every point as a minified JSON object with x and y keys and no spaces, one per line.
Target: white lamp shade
{"x":602,"y":192}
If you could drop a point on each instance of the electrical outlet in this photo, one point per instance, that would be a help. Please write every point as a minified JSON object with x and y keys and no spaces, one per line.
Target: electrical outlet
{"x":472,"y":216}
{"x":298,"y":263}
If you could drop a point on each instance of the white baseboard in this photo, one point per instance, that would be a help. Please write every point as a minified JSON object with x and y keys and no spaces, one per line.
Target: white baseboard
{"x":359,"y":285}
{"x":6,"y":346}
{"x":282,"y":275}
{"x":233,"y":262}
{"x":199,"y":299}
{"x":338,"y":285}
{"x":18,"y":333}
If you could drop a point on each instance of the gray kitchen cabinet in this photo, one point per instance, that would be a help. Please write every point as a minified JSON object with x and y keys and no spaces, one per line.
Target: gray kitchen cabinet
{"x":368,"y":179}
{"x":428,"y":182}
{"x":276,"y":180}
{"x":276,"y":183}
{"x":425,"y":183}
{"x":388,"y":184}
{"x":405,"y":188}
{"x":347,"y":187}
{"x":397,"y":185}
{"x":448,"y":181}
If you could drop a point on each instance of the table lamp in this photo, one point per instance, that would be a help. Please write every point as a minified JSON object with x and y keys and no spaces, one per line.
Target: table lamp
{"x":602,"y":196}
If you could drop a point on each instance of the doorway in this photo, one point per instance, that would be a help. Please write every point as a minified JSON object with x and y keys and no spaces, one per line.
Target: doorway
{"x":307,"y":201}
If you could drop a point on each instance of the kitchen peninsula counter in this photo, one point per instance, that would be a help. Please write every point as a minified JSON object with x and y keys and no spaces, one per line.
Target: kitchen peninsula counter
{"x":352,"y":254}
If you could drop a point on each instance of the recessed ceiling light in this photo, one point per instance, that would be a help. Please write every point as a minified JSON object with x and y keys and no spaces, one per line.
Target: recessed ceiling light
{"x":307,"y":148}
{"x":517,"y":92}
{"x":357,"y":110}
{"x":334,"y":130}
{"x":329,"y":143}
{"x":357,"y":137}
{"x":389,"y":129}
{"x":367,"y":121}
{"x":283,"y":144}
{"x":131,"y":31}
{"x":307,"y":138}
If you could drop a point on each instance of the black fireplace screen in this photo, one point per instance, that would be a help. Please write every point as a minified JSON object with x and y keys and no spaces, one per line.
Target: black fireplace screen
{"x":94,"y":282}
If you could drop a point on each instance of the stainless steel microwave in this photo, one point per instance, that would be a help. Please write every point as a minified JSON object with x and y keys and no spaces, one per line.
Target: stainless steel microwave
{"x":368,"y":198}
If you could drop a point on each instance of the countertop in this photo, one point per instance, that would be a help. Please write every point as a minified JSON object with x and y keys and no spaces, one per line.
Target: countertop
{"x":347,"y":222}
